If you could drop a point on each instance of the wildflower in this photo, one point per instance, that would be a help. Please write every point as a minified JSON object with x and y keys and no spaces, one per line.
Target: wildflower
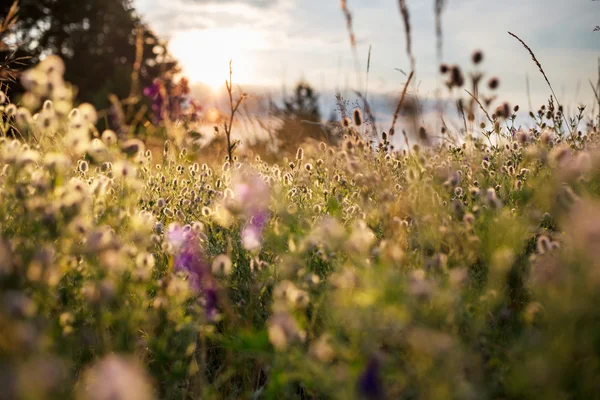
{"x":362,"y":237}
{"x":56,"y":162}
{"x":52,"y":65}
{"x":357,"y":117}
{"x":132,"y":147}
{"x":83,"y":166}
{"x":544,"y":245}
{"x":369,"y":381}
{"x":23,"y":118}
{"x":35,"y":81}
{"x":109,"y":137}
{"x":300,"y":154}
{"x":221,"y":265}
{"x":27,"y":157}
{"x":518,"y":184}
{"x":492,"y":199}
{"x":155,"y":93}
{"x":493,"y":83}
{"x":124,"y":169}
{"x":456,"y":77}
{"x":114,"y":377}
{"x":88,"y":113}
{"x":77,"y":140}
{"x":420,"y":287}
{"x":190,"y":260}
{"x":252,"y":232}
{"x":321,"y":349}
{"x":47,"y":119}
{"x":145,"y":260}
{"x":251,"y":194}
{"x":283,"y":330}
{"x":477,"y":57}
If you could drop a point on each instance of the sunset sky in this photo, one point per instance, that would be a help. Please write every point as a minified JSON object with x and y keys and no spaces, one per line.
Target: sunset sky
{"x":273,"y":42}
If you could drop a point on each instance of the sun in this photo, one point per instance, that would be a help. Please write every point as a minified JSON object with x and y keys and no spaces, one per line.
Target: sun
{"x":204,"y":54}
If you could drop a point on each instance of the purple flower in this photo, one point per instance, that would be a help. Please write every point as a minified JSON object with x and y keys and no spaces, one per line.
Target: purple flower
{"x":251,"y":194}
{"x":251,"y":237}
{"x":369,"y":382}
{"x":253,"y":231}
{"x":190,"y":259}
{"x":176,"y":236}
{"x":251,"y":200}
{"x":155,"y":93}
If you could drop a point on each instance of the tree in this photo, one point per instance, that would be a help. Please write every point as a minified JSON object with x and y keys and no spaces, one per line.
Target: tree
{"x":106,"y":47}
{"x":304,"y":104}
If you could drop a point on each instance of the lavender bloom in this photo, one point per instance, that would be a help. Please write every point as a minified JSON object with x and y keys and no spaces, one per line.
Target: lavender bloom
{"x":192,"y":263}
{"x":155,"y":93}
{"x":176,"y":236}
{"x":253,"y":231}
{"x":211,"y":302}
{"x":251,"y":195}
{"x":369,"y":382}
{"x":190,"y":259}
{"x":251,"y":200}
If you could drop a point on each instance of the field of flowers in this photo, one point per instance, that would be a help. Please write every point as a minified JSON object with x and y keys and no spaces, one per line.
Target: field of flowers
{"x":464,"y":271}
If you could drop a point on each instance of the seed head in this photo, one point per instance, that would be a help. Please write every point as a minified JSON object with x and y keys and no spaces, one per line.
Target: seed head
{"x":493,"y":83}
{"x":477,"y":57}
{"x":357,"y":117}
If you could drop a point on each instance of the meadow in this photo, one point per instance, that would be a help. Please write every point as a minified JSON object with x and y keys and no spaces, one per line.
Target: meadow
{"x":462,"y":265}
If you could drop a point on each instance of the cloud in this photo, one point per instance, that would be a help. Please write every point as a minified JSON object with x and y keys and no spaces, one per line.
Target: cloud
{"x":253,"y":3}
{"x":308,"y":39}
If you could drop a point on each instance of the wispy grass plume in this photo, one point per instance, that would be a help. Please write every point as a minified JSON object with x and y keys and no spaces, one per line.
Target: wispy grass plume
{"x":407,"y":30}
{"x":439,"y":7}
{"x":539,"y":65}
{"x":348,"y":16}
{"x":399,"y":106}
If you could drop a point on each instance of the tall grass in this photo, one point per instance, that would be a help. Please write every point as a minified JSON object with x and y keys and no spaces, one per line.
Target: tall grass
{"x":462,"y":267}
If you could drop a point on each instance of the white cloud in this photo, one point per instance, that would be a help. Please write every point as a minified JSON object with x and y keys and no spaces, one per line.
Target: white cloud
{"x":308,"y":38}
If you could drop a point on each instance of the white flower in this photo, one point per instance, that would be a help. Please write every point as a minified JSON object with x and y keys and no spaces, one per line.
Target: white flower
{"x":222,"y":265}
{"x":115,"y":377}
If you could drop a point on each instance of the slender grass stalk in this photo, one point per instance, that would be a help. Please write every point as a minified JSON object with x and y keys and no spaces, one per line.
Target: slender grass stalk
{"x":528,"y":92}
{"x":352,"y":36}
{"x":233,"y":109}
{"x":480,"y":106}
{"x":399,"y":106}
{"x":407,"y":30}
{"x":439,"y":7}
{"x":365,"y":102}
{"x":539,"y":65}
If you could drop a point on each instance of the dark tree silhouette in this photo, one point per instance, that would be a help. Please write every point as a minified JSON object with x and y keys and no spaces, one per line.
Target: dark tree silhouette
{"x":304,"y":104}
{"x":100,"y":42}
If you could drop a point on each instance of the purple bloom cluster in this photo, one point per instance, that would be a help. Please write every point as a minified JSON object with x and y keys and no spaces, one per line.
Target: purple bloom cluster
{"x":252,"y":198}
{"x":253,"y":230}
{"x":155,"y":92}
{"x":176,"y":101}
{"x":369,"y":382}
{"x":190,"y":259}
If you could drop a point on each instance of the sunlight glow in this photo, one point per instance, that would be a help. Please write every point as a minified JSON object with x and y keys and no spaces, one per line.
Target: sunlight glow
{"x":204,"y":54}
